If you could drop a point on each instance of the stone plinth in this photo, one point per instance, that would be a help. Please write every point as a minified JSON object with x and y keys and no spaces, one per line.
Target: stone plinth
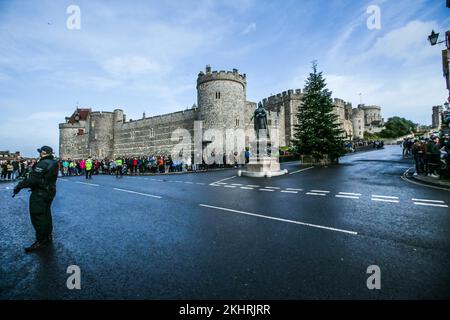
{"x":262,"y":167}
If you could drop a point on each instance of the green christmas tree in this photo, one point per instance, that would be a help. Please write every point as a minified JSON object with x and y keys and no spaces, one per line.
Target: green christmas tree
{"x":318,"y":133}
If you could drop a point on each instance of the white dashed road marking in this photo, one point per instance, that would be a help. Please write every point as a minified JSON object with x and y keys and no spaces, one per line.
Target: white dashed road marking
{"x":350,"y":194}
{"x":385,"y":200}
{"x":294,"y":189}
{"x":247,"y":188}
{"x":270,"y":190}
{"x":384,"y":197}
{"x":431,"y":204}
{"x":280,"y":219}
{"x":288,"y":191}
{"x":321,"y":191}
{"x":345,"y":196}
{"x":425,"y":200}
{"x":223,"y":180}
{"x":301,"y":170}
{"x":88,"y":184}
{"x":315,"y":194}
{"x":138,"y":193}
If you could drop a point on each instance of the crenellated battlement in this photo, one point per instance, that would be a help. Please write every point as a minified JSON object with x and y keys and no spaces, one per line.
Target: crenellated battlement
{"x":209,"y":75}
{"x":280,"y":98}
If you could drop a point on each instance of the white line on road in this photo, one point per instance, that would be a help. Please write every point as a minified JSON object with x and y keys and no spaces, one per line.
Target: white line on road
{"x":253,"y":186}
{"x":228,"y":186}
{"x":294,"y":189}
{"x":425,"y":200}
{"x":431,"y":204}
{"x":288,"y":191}
{"x":247,"y":188}
{"x":384,"y":197}
{"x":89,"y":184}
{"x":350,"y":194}
{"x":139,"y":193}
{"x":315,"y":194}
{"x":275,"y":188}
{"x":270,"y":190}
{"x":345,"y":196}
{"x":223,"y":180}
{"x":200,"y":183}
{"x":322,"y":191}
{"x":385,"y":200}
{"x":280,"y":219}
{"x":301,"y":170}
{"x":236,"y":184}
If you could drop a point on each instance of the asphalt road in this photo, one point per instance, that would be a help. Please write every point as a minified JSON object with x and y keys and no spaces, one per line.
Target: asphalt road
{"x":307,"y":235}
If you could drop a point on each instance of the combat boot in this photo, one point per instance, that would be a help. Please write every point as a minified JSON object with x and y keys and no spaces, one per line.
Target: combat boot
{"x":37,"y":245}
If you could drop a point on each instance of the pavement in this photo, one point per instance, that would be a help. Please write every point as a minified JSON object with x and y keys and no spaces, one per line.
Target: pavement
{"x":428,"y":180}
{"x":311,"y":234}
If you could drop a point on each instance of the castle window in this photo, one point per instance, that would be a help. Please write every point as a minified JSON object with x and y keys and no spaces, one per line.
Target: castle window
{"x":269,"y":122}
{"x":237,"y":122}
{"x":152,"y":133}
{"x":217,"y":95}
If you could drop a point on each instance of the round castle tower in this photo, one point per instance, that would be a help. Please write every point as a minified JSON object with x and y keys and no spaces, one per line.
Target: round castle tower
{"x":358,"y":123}
{"x":221,"y":97}
{"x":101,"y":134}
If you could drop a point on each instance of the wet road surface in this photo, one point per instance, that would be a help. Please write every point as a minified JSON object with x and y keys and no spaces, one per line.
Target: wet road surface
{"x":310,"y":234}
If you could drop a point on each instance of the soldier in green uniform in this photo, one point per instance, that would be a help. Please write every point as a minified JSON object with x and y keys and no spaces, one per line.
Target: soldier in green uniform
{"x":42,"y":182}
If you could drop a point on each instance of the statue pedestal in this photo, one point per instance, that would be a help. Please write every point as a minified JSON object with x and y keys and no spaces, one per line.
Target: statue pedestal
{"x":262,"y":167}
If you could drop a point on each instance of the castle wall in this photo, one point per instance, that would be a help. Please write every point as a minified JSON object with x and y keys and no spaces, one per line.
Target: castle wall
{"x":284,"y":107}
{"x":152,"y":135}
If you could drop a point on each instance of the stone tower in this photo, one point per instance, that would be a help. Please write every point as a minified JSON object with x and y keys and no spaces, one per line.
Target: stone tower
{"x":358,"y":123}
{"x":101,"y":134}
{"x":221,"y":99}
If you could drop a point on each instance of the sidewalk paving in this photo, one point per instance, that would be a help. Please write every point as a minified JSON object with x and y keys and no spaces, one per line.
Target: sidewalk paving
{"x":431,"y":181}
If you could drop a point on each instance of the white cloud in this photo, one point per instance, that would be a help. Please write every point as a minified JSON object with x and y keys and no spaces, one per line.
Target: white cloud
{"x":250,"y":28}
{"x":130,"y":65}
{"x":408,"y":43}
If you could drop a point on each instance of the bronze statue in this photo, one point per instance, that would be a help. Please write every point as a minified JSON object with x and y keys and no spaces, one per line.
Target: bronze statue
{"x":260,"y":119}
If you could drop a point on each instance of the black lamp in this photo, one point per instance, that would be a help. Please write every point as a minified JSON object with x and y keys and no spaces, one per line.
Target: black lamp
{"x":433,"y":38}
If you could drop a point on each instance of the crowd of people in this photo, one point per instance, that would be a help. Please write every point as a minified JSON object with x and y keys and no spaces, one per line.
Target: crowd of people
{"x":431,"y":155}
{"x":138,"y":165}
{"x":352,"y":146}
{"x":13,"y":169}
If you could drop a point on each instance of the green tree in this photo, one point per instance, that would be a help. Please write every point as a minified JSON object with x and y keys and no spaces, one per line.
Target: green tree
{"x":397,"y":127}
{"x":318,"y":133}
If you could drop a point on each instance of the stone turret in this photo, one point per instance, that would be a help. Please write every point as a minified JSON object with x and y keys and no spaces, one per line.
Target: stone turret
{"x":358,"y":123}
{"x":101,"y":134}
{"x":221,"y":97}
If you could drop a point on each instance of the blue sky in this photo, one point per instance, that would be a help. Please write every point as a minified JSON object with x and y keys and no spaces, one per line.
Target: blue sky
{"x":144,"y":56}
